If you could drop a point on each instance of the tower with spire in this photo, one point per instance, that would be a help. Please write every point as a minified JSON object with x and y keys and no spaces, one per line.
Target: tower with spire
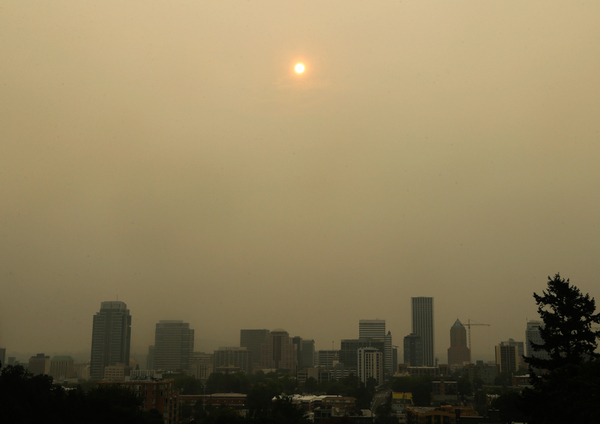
{"x":458,"y":352}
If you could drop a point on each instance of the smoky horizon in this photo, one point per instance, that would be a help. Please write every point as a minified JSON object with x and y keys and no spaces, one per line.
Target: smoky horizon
{"x":170,"y":156}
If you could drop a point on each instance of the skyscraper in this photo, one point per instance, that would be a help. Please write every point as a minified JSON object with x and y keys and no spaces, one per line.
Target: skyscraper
{"x":413,"y":350}
{"x":307,"y":356}
{"x":374,"y":328}
{"x":326,"y":358}
{"x":349,"y":348}
{"x":252,"y":339}
{"x":278,"y":352}
{"x":422,"y":325}
{"x":111,"y":337}
{"x":388,"y":354}
{"x":507,"y":358}
{"x":458,"y":352}
{"x":520,"y":351}
{"x":305,"y":352}
{"x":173,"y":345}
{"x":232,"y":357}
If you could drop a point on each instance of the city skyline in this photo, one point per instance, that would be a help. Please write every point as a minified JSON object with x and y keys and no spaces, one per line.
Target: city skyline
{"x":210,"y":345}
{"x":169,"y":156}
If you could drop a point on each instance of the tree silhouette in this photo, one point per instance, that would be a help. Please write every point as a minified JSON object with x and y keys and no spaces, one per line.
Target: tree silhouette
{"x":567,"y":333}
{"x":569,"y":390}
{"x":27,"y":398}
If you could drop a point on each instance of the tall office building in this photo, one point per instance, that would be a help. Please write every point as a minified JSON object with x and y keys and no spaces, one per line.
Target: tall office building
{"x":349,"y":348}
{"x":507,"y":358}
{"x":388,"y":354}
{"x":278,"y":352}
{"x":173,"y":345}
{"x":374,"y":328}
{"x":2,"y":357}
{"x":413,"y":350}
{"x":458,"y":352}
{"x":232,"y":358}
{"x":422,"y":325}
{"x":150,"y":358}
{"x":520,"y":351}
{"x":307,"y":357}
{"x":532,"y":334}
{"x":370,"y":364}
{"x":326,"y":358}
{"x":253,"y":339}
{"x":111,"y":337}
{"x":305,"y":352}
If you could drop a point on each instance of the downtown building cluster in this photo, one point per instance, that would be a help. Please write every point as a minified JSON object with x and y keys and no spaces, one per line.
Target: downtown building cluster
{"x":372,"y":355}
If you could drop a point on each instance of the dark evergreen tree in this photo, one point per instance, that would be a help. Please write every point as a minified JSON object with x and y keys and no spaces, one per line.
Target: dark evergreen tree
{"x":568,"y":390}
{"x":568,"y":317}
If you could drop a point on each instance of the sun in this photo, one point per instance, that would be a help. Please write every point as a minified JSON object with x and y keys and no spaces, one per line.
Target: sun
{"x":299,"y":68}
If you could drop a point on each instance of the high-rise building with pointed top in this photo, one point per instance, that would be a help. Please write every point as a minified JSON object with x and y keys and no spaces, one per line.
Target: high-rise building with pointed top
{"x":111,"y":337}
{"x":422,"y":325}
{"x":458,"y":352}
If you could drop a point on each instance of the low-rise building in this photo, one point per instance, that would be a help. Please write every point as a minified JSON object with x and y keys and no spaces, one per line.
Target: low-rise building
{"x":486,"y":372}
{"x":443,"y":390}
{"x":116,"y":372}
{"x":401,"y":400}
{"x":232,"y":400}
{"x":445,"y":414}
{"x":61,"y":367}
{"x":201,"y":366}
{"x":405,"y":369}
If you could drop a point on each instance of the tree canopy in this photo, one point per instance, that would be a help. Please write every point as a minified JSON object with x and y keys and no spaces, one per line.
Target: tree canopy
{"x":569,"y":390}
{"x":27,"y":398}
{"x":568,"y":316}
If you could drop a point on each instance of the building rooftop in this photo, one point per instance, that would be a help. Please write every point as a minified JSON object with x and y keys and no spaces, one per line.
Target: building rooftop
{"x":457,"y":324}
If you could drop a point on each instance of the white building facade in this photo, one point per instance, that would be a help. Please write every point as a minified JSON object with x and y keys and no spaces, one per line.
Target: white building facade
{"x":370,"y":365}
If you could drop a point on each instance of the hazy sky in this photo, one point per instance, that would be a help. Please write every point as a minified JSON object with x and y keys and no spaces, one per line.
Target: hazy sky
{"x":166,"y":153}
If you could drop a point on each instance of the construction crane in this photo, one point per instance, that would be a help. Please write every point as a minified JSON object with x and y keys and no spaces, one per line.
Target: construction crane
{"x":468,"y":325}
